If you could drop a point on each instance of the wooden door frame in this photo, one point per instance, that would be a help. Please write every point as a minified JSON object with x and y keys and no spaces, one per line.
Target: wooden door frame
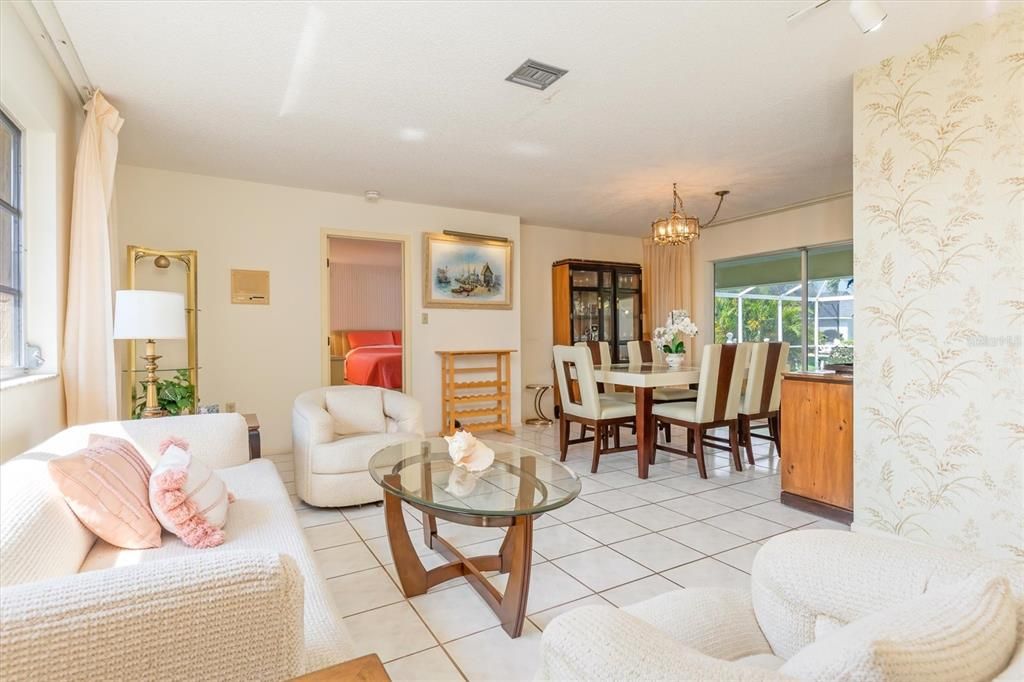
{"x":405,"y":241}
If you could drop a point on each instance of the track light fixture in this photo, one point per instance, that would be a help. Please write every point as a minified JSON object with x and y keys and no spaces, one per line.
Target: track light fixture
{"x":867,"y":14}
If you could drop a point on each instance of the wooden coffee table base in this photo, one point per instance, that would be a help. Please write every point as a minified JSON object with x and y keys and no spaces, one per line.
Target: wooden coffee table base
{"x":513,"y":558}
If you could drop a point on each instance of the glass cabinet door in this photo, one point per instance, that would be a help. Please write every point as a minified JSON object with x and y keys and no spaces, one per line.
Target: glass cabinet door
{"x":584,"y":278}
{"x":607,"y":307}
{"x":586,"y":316}
{"x":628,"y":320}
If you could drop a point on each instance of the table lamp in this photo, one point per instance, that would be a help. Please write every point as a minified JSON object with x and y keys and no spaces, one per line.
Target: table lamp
{"x":148,"y":316}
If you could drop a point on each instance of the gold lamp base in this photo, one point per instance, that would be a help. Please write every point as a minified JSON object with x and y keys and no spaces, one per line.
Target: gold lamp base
{"x":152,"y":408}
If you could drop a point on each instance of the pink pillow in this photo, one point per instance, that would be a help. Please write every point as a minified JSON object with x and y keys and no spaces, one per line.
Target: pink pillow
{"x":360,"y":339}
{"x":107,"y":486}
{"x":397,"y":337}
{"x":188,"y":498}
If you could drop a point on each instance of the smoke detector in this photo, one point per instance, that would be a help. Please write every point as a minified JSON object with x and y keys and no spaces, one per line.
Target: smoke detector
{"x":372,"y":195}
{"x":535,"y":75}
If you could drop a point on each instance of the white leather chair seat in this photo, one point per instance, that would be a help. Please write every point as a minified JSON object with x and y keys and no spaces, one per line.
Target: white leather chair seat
{"x":352,"y":453}
{"x":615,"y":409}
{"x":686,"y":412}
{"x":621,"y":396}
{"x":674,"y":394}
{"x":609,"y":408}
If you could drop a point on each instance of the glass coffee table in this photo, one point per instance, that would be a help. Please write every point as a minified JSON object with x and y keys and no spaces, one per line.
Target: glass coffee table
{"x":520,"y":485}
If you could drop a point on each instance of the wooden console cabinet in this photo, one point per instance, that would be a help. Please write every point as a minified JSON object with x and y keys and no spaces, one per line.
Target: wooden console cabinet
{"x":817,"y":443}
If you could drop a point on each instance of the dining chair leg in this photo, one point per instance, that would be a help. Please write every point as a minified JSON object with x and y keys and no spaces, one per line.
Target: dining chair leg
{"x":563,"y":437}
{"x":668,"y":432}
{"x":615,"y":435}
{"x":734,"y":446}
{"x":654,"y":450}
{"x":583,"y":430}
{"x":746,"y":438}
{"x":597,"y":449}
{"x":689,"y":440}
{"x":699,"y":451}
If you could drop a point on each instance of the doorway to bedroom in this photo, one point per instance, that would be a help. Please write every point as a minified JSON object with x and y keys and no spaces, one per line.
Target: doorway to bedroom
{"x":365,"y":310}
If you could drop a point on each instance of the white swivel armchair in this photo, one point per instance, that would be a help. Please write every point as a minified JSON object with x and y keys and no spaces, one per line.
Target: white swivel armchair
{"x":813,"y":593}
{"x":335,"y":431}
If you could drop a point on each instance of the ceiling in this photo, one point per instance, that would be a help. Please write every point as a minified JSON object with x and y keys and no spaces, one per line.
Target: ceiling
{"x":409,"y":98}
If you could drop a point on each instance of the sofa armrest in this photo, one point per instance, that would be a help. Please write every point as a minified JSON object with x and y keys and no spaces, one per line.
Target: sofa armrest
{"x":222,"y":615}
{"x":405,"y":411}
{"x":605,"y":643}
{"x":717,"y":622}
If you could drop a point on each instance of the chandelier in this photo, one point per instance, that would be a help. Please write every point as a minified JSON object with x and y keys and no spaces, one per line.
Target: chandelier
{"x":680,"y":228}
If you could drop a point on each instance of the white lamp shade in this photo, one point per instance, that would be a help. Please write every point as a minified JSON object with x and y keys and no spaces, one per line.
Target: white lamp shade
{"x":143,"y":314}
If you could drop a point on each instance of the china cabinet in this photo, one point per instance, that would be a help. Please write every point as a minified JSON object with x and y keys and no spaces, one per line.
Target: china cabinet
{"x":597,"y":301}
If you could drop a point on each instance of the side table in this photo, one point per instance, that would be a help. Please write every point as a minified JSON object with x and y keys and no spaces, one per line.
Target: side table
{"x":254,"y":435}
{"x":363,"y":669}
{"x":541,"y":419}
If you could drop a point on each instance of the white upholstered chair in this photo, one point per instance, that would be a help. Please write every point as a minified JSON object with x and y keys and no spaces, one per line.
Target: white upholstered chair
{"x":335,"y":431}
{"x":762,"y":395}
{"x":581,"y":402}
{"x":722,"y":369}
{"x":641,"y":352}
{"x":806,"y":588}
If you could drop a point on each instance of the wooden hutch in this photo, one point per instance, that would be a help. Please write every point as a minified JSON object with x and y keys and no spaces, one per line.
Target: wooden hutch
{"x":597,"y":301}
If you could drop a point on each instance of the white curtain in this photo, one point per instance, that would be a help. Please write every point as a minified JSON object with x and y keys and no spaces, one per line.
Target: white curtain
{"x":89,"y":369}
{"x":666,"y":283}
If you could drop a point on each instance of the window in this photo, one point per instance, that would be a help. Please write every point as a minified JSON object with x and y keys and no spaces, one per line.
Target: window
{"x":11,"y":291}
{"x":762,"y":298}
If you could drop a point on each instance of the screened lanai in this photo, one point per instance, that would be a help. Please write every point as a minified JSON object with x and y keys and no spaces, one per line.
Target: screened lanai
{"x":761,"y":298}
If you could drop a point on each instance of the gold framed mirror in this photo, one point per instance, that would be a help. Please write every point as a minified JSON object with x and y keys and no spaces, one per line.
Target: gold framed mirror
{"x":163,"y":270}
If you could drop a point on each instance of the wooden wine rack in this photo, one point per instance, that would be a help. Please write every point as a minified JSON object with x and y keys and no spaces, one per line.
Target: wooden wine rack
{"x":473,"y":391}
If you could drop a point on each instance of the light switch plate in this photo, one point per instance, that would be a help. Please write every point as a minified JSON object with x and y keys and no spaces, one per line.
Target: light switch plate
{"x":424,"y":319}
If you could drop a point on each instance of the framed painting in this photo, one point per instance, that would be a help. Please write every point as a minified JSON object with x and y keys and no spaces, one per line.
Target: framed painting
{"x":463,"y":272}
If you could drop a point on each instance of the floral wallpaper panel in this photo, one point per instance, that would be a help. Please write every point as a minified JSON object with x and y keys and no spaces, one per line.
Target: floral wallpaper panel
{"x":939,"y":266}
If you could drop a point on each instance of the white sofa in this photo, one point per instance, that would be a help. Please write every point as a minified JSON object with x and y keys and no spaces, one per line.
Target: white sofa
{"x":74,"y":607}
{"x":804,"y":586}
{"x":330,"y":468}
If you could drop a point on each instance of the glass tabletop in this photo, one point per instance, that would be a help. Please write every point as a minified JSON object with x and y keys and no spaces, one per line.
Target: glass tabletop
{"x":518,"y":482}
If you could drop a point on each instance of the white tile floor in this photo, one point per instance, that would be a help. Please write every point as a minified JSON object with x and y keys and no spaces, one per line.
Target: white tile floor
{"x":623,"y":540}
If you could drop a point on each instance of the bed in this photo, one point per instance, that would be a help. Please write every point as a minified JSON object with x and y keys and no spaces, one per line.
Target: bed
{"x":372,"y":357}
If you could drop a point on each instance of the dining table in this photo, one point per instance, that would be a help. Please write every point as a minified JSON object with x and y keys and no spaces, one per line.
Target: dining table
{"x":643,"y":379}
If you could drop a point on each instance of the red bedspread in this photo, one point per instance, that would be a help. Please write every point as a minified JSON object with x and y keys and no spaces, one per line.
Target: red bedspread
{"x":375,"y":366}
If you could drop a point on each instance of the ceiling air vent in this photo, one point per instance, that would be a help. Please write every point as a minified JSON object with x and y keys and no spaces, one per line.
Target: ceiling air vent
{"x":536,"y":75}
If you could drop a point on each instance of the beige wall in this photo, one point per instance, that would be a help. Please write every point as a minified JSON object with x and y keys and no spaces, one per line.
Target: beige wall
{"x":541,"y":246}
{"x":261,"y":357}
{"x":939,"y":261}
{"x":35,"y":97}
{"x":822,"y":222}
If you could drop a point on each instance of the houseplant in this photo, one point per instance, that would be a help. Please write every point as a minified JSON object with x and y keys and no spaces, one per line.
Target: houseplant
{"x":175,"y":394}
{"x":671,"y":338}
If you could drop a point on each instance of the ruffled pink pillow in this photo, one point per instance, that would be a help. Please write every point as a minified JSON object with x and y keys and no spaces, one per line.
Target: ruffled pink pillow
{"x":188,"y":498}
{"x":106,"y":485}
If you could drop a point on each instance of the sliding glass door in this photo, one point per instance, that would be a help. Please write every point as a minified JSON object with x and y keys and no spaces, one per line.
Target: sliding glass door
{"x":762,"y":298}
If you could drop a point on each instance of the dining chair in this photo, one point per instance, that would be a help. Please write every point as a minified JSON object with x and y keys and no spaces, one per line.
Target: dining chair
{"x":642,"y":352}
{"x":601,"y":354}
{"x":763,"y":394}
{"x":722,"y":369}
{"x":584,"y":404}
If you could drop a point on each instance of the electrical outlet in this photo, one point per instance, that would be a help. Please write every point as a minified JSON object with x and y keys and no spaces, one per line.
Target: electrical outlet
{"x":229,"y":407}
{"x":424,"y":319}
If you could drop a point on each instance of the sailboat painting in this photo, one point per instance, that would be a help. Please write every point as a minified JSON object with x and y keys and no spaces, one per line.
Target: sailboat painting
{"x":460,"y":272}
